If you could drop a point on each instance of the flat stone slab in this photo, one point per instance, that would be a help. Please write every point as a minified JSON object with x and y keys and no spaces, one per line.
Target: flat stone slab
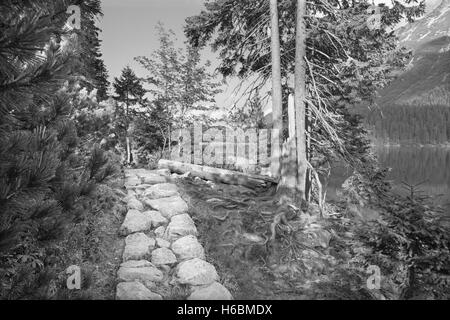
{"x":136,"y":264}
{"x":162,"y":172}
{"x":214,"y":291}
{"x":132,"y":181}
{"x":134,"y":204}
{"x":142,"y":274}
{"x":169,"y":207}
{"x":152,"y":178}
{"x":163,"y":256}
{"x":137,"y":246}
{"x":188,"y":247}
{"x":142,"y":186}
{"x":161,"y":190}
{"x":180,"y":226}
{"x":157,"y":218}
{"x":162,"y":243}
{"x":196,"y":272}
{"x":160,"y":231}
{"x":136,"y":221}
{"x":135,"y":291}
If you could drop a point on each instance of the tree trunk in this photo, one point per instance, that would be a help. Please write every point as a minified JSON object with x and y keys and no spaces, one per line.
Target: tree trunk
{"x":299,"y":96}
{"x":127,"y":131}
{"x":288,"y":180}
{"x":218,"y":175}
{"x":277,"y":120}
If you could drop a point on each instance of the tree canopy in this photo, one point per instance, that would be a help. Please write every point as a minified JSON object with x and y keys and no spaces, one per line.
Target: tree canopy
{"x":346,"y":60}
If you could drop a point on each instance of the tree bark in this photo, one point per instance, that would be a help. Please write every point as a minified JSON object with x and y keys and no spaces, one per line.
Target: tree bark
{"x":299,"y":96}
{"x":218,"y":175}
{"x":277,"y":119}
{"x":127,"y":130}
{"x":288,"y":180}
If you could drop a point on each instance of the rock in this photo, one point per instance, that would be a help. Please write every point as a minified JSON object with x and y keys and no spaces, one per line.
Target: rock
{"x":214,"y":291}
{"x":136,"y":221}
{"x":136,"y":264}
{"x":141,"y":273}
{"x":137,"y":246}
{"x":157,"y":218}
{"x":134,"y":204}
{"x":175,"y":176}
{"x":188,"y":247}
{"x":161,"y":190}
{"x":132,"y":181}
{"x":323,"y":238}
{"x":129,"y":173}
{"x":135,"y":291}
{"x":162,"y":172}
{"x":141,"y":187}
{"x":314,"y":209}
{"x":314,"y":238}
{"x":196,"y":272}
{"x":160,"y":242}
{"x":152,"y":178}
{"x":162,"y":256}
{"x":306,"y":219}
{"x":159,"y":232}
{"x":137,"y":172}
{"x":186,"y":175}
{"x":180,"y":226}
{"x":169,"y":207}
{"x":130,"y":193}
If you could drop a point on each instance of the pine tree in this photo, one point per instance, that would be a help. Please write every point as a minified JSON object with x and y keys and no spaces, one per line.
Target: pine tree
{"x":91,"y":65}
{"x":40,"y":188}
{"x":130,"y":93}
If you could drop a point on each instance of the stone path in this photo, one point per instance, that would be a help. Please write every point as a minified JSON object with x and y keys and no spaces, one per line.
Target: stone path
{"x":161,"y":246}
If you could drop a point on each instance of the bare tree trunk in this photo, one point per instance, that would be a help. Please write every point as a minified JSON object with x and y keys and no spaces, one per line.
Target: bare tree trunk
{"x":277,"y":120}
{"x":127,"y":131}
{"x":300,"y":95}
{"x":288,"y":180}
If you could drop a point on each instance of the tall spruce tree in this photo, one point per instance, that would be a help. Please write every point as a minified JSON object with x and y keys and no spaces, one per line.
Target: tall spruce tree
{"x":92,"y":66}
{"x":130,"y":94}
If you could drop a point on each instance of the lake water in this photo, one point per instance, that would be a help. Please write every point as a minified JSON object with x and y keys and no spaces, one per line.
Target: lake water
{"x":428,"y":166}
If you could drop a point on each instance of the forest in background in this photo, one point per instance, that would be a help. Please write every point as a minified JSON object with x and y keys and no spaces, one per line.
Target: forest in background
{"x":415,"y":107}
{"x":409,"y":124}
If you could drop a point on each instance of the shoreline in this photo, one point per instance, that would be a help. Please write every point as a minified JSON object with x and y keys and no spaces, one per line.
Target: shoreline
{"x":413,"y":145}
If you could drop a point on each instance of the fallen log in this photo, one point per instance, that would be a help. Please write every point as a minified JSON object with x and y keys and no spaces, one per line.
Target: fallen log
{"x":218,"y":175}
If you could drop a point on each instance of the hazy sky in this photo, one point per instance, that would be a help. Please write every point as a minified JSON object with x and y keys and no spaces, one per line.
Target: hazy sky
{"x":129,"y":27}
{"x":129,"y":30}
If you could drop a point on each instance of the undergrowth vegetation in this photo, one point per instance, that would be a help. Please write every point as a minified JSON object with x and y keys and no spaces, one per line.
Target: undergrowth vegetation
{"x":309,"y":257}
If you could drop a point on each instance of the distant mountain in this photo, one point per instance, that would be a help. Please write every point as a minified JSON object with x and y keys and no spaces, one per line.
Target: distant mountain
{"x":415,"y":107}
{"x":427,"y":77}
{"x":428,"y":74}
{"x":435,"y":24}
